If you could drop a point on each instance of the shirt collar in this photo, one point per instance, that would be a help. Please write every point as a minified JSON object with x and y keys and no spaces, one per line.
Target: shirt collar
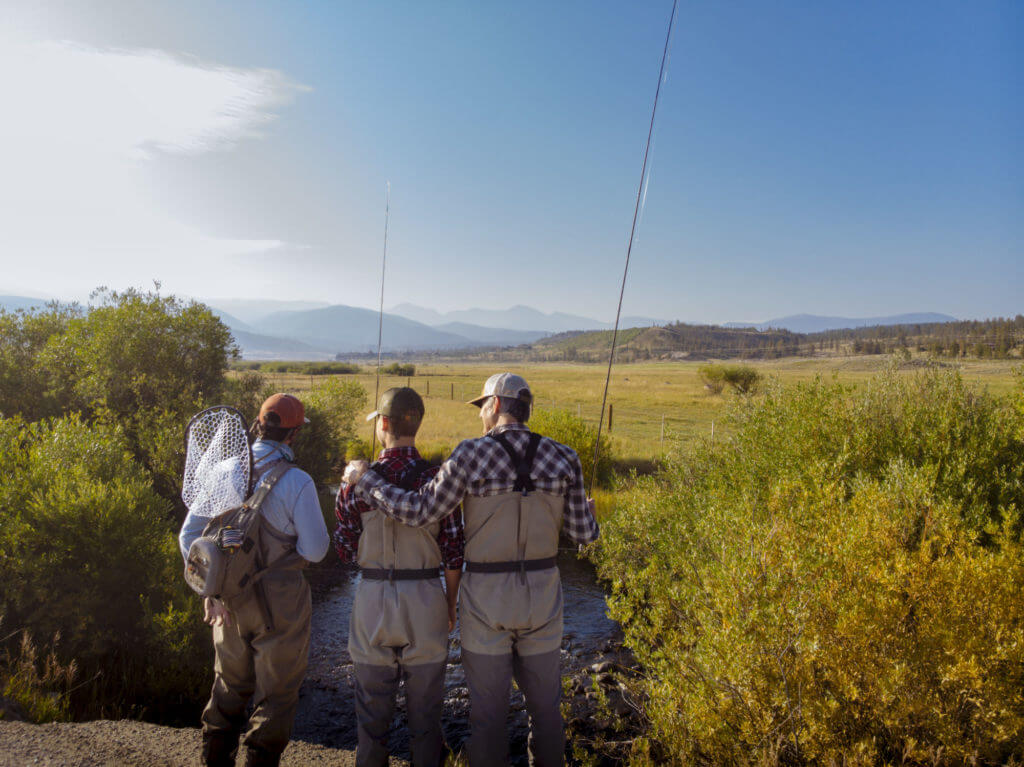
{"x":406,"y":451}
{"x":509,"y":427}
{"x":266,"y":446}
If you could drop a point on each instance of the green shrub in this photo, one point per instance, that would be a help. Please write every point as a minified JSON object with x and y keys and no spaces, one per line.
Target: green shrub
{"x":564,"y":427}
{"x":742,"y":378}
{"x":399,"y":369}
{"x":308,"y":368}
{"x":332,"y":407}
{"x":87,"y":552}
{"x":838,"y":583}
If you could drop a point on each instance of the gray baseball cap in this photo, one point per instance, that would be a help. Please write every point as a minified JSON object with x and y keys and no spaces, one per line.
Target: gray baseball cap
{"x":504,"y":385}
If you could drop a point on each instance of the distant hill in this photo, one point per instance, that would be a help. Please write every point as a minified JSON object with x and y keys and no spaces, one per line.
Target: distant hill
{"x":812,"y":323}
{"x":352,"y":329}
{"x":491,"y":336}
{"x":259,"y":347}
{"x":14,"y":303}
{"x":250,"y":311}
{"x":520,"y":318}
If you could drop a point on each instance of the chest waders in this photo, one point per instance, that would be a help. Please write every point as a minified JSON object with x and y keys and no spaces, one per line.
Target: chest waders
{"x":261,"y":657}
{"x":511,"y":595}
{"x":398,"y":630}
{"x":399,"y":614}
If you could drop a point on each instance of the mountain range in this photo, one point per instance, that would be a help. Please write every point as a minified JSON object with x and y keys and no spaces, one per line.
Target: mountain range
{"x":812,"y":323}
{"x":316,"y":330}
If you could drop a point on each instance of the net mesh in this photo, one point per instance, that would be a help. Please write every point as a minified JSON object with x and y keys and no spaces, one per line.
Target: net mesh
{"x":218,"y":462}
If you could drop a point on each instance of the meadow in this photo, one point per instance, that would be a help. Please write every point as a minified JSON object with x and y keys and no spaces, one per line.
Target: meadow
{"x":643,"y":395}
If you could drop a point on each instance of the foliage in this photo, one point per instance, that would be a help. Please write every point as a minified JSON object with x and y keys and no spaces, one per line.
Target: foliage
{"x":331,"y":407}
{"x":742,"y":378}
{"x":399,"y":369}
{"x":87,"y":554}
{"x":301,"y":368}
{"x":564,"y":427}
{"x":26,"y":386}
{"x":36,"y":688}
{"x":837,"y":583}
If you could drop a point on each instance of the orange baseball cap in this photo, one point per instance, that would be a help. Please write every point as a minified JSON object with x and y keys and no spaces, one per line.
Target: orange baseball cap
{"x":287,"y":408}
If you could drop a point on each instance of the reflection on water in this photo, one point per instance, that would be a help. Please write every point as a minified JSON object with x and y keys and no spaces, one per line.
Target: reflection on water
{"x":326,"y":713}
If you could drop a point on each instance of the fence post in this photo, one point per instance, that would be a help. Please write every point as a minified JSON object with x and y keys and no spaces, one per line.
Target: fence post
{"x":453,"y":390}
{"x":579,"y":410}
{"x":428,"y":387}
{"x":712,"y":431}
{"x":610,"y":411}
{"x":663,"y":431}
{"x":408,"y":381}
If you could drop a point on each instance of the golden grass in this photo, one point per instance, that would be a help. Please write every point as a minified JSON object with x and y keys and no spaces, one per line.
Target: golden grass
{"x":643,"y":395}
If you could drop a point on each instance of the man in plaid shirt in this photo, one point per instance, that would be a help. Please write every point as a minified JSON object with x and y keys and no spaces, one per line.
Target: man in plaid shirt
{"x":519,"y":490}
{"x":399,"y":625}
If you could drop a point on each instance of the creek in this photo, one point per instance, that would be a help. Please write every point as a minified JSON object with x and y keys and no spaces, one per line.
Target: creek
{"x":591,"y":643}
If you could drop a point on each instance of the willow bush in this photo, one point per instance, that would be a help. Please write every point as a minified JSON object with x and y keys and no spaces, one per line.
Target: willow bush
{"x":838,"y":583}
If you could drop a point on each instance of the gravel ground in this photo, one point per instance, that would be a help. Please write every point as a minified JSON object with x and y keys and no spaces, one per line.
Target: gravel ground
{"x":105,"y":743}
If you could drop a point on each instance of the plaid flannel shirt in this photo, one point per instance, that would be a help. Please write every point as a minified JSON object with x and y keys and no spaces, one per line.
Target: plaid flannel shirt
{"x":481,"y":467}
{"x":349,"y":510}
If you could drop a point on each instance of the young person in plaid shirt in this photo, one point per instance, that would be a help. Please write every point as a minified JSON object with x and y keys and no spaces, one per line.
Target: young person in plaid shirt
{"x":400,"y":616}
{"x":519,"y":491}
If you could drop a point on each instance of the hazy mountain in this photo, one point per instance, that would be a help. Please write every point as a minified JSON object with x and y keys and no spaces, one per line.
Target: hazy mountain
{"x":521,"y":318}
{"x":812,"y":323}
{"x":252,"y":310}
{"x":491,"y":336}
{"x":351,"y":329}
{"x":13,"y":303}
{"x":259,"y":347}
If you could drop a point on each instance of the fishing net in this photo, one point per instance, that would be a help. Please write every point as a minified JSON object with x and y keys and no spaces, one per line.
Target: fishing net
{"x":218,"y":462}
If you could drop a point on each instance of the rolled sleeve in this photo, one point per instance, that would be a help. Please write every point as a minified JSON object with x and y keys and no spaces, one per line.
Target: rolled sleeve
{"x":579,"y":524}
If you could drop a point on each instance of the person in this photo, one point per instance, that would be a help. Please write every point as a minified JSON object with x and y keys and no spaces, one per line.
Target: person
{"x":518,"y":491}
{"x":400,"y":616}
{"x":253,"y":660}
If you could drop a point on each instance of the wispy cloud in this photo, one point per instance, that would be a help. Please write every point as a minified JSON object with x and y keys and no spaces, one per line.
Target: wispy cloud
{"x":79,"y":126}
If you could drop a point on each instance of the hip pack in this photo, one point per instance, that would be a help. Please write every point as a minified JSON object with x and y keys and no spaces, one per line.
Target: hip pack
{"x":226,"y":560}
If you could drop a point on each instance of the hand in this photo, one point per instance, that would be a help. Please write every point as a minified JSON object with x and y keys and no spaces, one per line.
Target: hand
{"x":215,"y":613}
{"x":451,"y":618}
{"x":592,"y":505}
{"x":354,"y":472}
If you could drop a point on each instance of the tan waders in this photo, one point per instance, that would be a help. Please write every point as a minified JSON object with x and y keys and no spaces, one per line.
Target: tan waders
{"x":259,"y":662}
{"x":398,"y":630}
{"x":510,"y":613}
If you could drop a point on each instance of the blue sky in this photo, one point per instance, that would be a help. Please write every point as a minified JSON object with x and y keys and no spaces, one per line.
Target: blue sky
{"x":830,"y":158}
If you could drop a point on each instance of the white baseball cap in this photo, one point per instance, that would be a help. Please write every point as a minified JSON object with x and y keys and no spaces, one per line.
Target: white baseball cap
{"x":504,"y":385}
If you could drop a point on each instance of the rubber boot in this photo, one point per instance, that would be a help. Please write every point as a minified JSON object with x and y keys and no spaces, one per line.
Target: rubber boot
{"x":220,"y":749}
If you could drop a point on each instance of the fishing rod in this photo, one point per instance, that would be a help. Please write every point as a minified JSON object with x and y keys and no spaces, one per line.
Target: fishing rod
{"x":640,"y":196}
{"x":380,"y":317}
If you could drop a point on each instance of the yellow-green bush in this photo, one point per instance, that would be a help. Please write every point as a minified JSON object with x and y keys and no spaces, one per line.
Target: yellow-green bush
{"x":839,"y":583}
{"x":573,"y":431}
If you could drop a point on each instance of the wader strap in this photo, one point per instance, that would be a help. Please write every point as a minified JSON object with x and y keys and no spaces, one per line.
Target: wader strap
{"x":521,"y":566}
{"x":522,"y":465}
{"x":267,"y":484}
{"x":395,"y":574}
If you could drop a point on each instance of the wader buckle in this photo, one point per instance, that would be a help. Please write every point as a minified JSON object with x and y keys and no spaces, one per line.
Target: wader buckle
{"x":391,"y":574}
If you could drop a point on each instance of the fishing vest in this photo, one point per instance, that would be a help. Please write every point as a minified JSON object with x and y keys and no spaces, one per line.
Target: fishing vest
{"x":511,"y":596}
{"x":389,"y":550}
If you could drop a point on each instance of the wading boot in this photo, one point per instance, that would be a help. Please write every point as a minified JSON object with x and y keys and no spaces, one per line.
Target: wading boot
{"x":259,"y":757}
{"x":220,"y":749}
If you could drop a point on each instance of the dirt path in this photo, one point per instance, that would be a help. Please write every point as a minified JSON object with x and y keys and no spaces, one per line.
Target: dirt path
{"x":105,"y":743}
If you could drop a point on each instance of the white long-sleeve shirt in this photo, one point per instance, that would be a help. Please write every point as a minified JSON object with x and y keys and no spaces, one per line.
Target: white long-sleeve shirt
{"x":291,"y":508}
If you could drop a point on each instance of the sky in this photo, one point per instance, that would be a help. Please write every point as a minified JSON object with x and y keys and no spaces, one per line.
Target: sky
{"x":850,"y":159}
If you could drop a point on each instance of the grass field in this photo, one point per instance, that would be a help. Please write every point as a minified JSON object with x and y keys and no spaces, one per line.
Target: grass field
{"x":642,"y":395}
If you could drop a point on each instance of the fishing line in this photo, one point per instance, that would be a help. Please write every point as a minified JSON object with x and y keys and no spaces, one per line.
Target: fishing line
{"x":641,"y":196}
{"x":380,"y":318}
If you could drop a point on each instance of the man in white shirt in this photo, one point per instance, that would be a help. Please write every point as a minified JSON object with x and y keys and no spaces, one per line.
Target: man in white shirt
{"x":254,"y":660}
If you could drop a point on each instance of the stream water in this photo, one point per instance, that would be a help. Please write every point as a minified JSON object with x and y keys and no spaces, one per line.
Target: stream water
{"x":326,"y":710}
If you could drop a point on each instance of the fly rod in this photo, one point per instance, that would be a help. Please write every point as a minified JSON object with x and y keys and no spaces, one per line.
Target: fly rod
{"x":629,"y":248}
{"x":380,"y":316}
